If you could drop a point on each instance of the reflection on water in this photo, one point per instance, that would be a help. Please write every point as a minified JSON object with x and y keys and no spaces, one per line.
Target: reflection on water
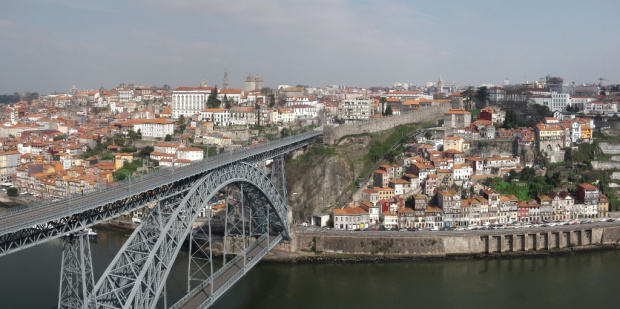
{"x":29,"y":279}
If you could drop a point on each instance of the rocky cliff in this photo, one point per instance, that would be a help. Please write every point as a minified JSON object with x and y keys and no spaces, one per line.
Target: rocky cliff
{"x":324,"y":176}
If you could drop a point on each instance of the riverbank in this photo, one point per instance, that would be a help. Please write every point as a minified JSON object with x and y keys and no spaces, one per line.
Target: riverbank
{"x":319,"y":246}
{"x":345,"y":247}
{"x":280,"y":256}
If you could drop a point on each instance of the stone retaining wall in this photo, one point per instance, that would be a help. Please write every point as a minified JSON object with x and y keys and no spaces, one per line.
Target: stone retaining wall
{"x":411,"y":245}
{"x":331,"y":134}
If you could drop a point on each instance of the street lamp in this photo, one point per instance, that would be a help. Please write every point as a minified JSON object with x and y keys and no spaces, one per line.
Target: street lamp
{"x":128,"y":174}
{"x":173,"y":160}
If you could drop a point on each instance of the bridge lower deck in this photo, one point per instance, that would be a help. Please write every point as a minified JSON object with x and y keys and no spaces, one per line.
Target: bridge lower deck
{"x":221,"y":280}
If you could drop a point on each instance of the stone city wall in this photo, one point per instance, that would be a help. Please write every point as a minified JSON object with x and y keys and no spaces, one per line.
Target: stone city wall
{"x":331,"y":134}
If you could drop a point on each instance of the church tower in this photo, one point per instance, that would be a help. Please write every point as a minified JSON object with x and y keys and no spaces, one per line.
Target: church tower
{"x":439,"y":87}
{"x":225,"y":83}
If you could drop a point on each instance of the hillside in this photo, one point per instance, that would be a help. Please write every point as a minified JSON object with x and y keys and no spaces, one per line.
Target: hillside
{"x":325,"y":176}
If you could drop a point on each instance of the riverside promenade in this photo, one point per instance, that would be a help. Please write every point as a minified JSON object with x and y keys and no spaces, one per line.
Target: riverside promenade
{"x":313,"y":243}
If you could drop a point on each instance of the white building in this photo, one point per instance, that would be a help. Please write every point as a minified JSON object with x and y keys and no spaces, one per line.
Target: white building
{"x":157,"y":127}
{"x":559,"y":101}
{"x":352,"y":111}
{"x":235,"y":95}
{"x":190,"y":153}
{"x":241,"y":115}
{"x":304,"y":111}
{"x":600,"y":107}
{"x":125,"y":95}
{"x":350,"y":218}
{"x":284,"y":115}
{"x":188,"y":101}
{"x":218,"y":116}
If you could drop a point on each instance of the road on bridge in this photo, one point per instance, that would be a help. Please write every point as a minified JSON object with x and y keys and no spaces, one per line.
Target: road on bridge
{"x":56,"y":215}
{"x":203,"y":295}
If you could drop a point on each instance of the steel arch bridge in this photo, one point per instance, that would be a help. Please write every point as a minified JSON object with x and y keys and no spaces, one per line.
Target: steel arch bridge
{"x":253,"y":221}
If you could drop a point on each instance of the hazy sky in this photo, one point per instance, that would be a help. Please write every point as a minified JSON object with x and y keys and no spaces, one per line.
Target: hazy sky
{"x":50,"y":45}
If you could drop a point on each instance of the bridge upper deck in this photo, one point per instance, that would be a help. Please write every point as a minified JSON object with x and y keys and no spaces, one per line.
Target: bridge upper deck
{"x":28,"y":217}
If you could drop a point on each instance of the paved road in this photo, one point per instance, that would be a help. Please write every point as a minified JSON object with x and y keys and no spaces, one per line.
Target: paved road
{"x":426,"y":233}
{"x":203,"y":295}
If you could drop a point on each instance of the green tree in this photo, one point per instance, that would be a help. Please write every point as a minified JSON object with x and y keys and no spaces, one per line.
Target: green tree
{"x":272,"y":100}
{"x":168,"y":138}
{"x":512,"y":119}
{"x":542,"y":111}
{"x":227,"y":102}
{"x":482,"y":95}
{"x":527,"y":173}
{"x":469,"y":96}
{"x":181,"y":120}
{"x":59,"y":137}
{"x":12,"y":192}
{"x":388,"y":111}
{"x":146,"y":151}
{"x":382,"y":101}
{"x":512,"y":175}
{"x":428,"y":135}
{"x":212,"y":100}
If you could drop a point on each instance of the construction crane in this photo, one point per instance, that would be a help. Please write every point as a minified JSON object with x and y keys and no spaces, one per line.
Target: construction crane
{"x":600,"y":81}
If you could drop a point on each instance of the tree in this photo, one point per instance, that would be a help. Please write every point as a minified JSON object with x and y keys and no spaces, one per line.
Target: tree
{"x":568,"y":156}
{"x":512,"y":119}
{"x":542,"y":111}
{"x":212,"y":100}
{"x":227,"y":102}
{"x":146,"y":151}
{"x":512,"y":175}
{"x":469,"y":94}
{"x":272,"y":100}
{"x":527,"y":173}
{"x":181,"y":120}
{"x":382,"y":100}
{"x":168,"y":138}
{"x":388,"y":111}
{"x":428,"y":135}
{"x":482,"y":95}
{"x":12,"y":192}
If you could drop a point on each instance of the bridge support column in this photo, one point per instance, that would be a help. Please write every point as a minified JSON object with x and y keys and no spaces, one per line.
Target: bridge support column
{"x":76,"y":272}
{"x":277,"y":175}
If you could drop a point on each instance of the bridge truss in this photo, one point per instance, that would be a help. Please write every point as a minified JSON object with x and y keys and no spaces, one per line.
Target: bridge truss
{"x":136,"y":277}
{"x":254,"y":221}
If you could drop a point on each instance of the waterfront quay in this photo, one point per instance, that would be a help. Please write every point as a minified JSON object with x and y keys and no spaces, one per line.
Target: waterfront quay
{"x":315,"y":241}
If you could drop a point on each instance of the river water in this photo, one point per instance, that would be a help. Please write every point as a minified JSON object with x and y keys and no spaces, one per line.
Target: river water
{"x":29,"y":279}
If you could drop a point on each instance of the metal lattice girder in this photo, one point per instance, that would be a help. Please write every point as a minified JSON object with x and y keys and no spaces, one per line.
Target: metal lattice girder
{"x":27,"y":227}
{"x":136,"y":276}
{"x":278,"y":174}
{"x":76,"y":274}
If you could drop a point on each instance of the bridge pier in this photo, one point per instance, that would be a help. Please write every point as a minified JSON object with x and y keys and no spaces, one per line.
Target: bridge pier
{"x":76,"y":272}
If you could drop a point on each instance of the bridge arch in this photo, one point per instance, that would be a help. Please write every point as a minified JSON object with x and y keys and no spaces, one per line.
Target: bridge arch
{"x":137,"y":275}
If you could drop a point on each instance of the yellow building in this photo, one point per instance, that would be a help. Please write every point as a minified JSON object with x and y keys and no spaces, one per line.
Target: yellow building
{"x":603,"y":205}
{"x":385,"y":192}
{"x":455,"y":143}
{"x":120,"y":158}
{"x":586,"y":133}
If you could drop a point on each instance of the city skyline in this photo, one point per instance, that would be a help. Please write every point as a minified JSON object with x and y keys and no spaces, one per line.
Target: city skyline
{"x":61,"y":43}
